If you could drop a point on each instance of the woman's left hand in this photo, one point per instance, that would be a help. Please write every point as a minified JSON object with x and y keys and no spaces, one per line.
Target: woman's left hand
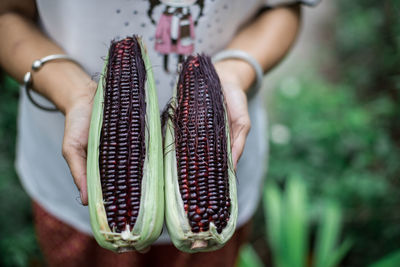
{"x":238,"y":115}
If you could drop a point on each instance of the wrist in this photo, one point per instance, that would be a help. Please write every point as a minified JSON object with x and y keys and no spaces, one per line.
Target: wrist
{"x":80,"y":98}
{"x":64,"y":83}
{"x":236,"y":71}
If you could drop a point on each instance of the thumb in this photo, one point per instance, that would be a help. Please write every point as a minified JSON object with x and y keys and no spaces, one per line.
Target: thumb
{"x":75,"y":155}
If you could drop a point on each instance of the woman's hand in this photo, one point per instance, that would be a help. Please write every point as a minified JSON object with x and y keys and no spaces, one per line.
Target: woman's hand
{"x":267,"y":39}
{"x":238,"y":115}
{"x":76,"y":133}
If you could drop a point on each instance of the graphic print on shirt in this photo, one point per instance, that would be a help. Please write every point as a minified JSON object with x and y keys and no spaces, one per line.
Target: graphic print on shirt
{"x":175,"y":29}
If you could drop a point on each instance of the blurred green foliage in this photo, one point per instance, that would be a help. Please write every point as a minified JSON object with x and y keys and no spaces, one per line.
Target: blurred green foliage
{"x":248,"y":257}
{"x":288,"y":223}
{"x":341,"y":130}
{"x":339,"y":144}
{"x":18,"y":245}
{"x":391,"y":260}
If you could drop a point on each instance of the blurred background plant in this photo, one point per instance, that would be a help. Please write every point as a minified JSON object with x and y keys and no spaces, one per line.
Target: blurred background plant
{"x":288,"y":219}
{"x":290,"y":223}
{"x":335,"y":125}
{"x":18,"y":245}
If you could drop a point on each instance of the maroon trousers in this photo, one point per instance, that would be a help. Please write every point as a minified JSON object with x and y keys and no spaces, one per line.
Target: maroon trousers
{"x":64,"y":246}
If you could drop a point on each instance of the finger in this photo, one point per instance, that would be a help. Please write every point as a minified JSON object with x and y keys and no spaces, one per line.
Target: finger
{"x":75,"y":155}
{"x":238,"y":144}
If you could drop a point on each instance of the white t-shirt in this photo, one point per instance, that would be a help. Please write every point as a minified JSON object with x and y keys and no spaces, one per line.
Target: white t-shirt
{"x":84,"y":30}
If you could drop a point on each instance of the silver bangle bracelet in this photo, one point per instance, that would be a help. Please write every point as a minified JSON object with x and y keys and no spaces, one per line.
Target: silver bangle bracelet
{"x":36,"y":66}
{"x":239,"y":54}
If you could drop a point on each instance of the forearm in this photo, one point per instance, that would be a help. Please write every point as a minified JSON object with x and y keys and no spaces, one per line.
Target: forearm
{"x":267,"y":39}
{"x":60,"y":81}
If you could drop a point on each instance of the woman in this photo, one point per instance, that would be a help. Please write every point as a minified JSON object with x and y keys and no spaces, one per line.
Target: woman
{"x":260,"y":30}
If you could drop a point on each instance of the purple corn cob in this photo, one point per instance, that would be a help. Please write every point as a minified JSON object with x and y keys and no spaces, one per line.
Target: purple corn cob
{"x":122,"y":144}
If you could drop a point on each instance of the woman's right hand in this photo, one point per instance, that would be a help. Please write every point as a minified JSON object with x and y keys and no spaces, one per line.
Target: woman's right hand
{"x":76,"y":133}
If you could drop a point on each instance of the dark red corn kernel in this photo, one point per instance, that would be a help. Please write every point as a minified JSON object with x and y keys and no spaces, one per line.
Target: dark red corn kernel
{"x":121,"y":212}
{"x":201,"y":144}
{"x":122,"y":187}
{"x":196,"y":218}
{"x":120,"y":218}
{"x":111,"y":207}
{"x":213,"y":198}
{"x":135,"y":194}
{"x":203,"y":198}
{"x":135,"y":203}
{"x":122,"y":144}
{"x":204,"y":221}
{"x":201,"y":211}
{"x":213,"y":204}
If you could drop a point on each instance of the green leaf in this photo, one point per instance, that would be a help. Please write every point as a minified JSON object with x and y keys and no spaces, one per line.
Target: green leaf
{"x":272,"y":201}
{"x":296,"y":223}
{"x":287,"y":223}
{"x":248,"y":257}
{"x":327,"y":235}
{"x":391,"y":260}
{"x":340,"y":252}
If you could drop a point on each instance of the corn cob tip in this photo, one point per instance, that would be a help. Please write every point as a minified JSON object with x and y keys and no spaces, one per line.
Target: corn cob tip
{"x":199,"y":244}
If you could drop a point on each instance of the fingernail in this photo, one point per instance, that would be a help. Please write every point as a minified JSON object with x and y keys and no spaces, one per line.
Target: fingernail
{"x":81,"y":196}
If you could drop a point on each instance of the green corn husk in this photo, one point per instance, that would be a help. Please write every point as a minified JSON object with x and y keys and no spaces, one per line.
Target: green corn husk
{"x":149,"y":222}
{"x":176,"y":218}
